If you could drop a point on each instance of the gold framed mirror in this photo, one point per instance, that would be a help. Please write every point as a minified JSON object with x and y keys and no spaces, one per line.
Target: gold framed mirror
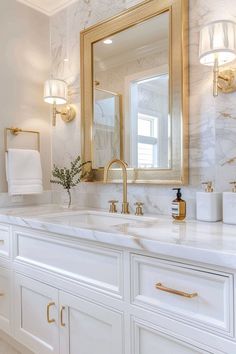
{"x":134,"y":93}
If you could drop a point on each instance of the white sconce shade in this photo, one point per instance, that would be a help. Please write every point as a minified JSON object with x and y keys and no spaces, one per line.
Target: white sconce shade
{"x":218,"y":42}
{"x":55,"y":91}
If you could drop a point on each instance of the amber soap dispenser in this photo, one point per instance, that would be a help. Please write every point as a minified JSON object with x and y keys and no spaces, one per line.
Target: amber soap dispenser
{"x":178,"y":206}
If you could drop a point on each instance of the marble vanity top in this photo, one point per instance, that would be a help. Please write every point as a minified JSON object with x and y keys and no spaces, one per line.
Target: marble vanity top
{"x":211,"y":243}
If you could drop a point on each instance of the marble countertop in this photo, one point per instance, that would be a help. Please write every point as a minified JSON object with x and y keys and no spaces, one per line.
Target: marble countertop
{"x":211,"y":243}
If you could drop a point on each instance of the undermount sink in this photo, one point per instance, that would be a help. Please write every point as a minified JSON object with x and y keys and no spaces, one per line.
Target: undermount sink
{"x":94,"y":218}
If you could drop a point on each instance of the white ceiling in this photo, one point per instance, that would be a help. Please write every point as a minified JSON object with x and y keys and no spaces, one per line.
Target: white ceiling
{"x":48,"y":7}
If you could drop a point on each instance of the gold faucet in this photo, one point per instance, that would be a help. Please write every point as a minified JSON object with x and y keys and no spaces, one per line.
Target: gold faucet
{"x":125,"y":204}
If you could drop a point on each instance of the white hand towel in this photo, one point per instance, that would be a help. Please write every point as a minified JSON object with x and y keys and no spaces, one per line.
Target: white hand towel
{"x":24,"y":172}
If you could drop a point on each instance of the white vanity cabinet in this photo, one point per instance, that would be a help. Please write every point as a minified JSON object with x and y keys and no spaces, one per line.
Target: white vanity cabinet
{"x":150,"y":340}
{"x":73,"y":296}
{"x":86,"y":327}
{"x":36,"y":315}
{"x":51,"y":321}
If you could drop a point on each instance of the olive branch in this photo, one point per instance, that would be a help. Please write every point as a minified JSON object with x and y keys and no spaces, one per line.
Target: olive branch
{"x":69,"y":177}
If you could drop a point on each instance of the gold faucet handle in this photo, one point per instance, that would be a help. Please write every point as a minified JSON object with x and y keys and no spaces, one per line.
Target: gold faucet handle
{"x":113,"y":208}
{"x":234,"y":186}
{"x":139,"y":208}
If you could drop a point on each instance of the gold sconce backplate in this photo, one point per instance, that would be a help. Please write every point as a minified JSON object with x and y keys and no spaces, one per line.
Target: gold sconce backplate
{"x":68,"y":113}
{"x":227,"y":81}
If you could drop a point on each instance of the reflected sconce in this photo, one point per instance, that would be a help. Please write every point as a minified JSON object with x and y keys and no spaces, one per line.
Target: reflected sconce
{"x":56,"y":93}
{"x":217,"y":47}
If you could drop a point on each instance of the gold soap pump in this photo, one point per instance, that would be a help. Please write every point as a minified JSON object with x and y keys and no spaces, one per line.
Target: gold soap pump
{"x":209,"y":188}
{"x":234,"y":186}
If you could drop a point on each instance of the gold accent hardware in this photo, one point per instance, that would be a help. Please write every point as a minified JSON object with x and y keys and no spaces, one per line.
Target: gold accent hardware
{"x":17,"y":131}
{"x":161,"y":287}
{"x":2,"y":294}
{"x":234,"y":186}
{"x":50,"y":320}
{"x":113,"y":208}
{"x":223,"y":80}
{"x":125,"y":204}
{"x":226,"y":81}
{"x":68,"y":113}
{"x":2,"y":241}
{"x":209,"y":188}
{"x":139,"y":208}
{"x":215,"y":78}
{"x":61,"y":316}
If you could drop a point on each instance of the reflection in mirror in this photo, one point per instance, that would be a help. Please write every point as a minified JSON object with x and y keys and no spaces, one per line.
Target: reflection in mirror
{"x":133,"y":64}
{"x":106,"y":126}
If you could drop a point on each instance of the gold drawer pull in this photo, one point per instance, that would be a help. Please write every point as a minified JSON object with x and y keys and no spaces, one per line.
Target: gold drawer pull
{"x":2,"y":241}
{"x":161,"y":287}
{"x":61,"y":315}
{"x":50,"y":320}
{"x":2,"y":294}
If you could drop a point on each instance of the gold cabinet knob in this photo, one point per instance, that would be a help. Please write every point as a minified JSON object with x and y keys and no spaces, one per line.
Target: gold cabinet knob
{"x":113,"y":208}
{"x":139,"y":208}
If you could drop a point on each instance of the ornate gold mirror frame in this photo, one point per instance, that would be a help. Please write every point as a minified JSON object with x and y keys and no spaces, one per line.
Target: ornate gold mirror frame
{"x":178,"y":68}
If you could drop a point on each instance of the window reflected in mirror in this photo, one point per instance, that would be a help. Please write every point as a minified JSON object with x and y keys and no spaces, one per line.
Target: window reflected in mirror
{"x":131,"y":118}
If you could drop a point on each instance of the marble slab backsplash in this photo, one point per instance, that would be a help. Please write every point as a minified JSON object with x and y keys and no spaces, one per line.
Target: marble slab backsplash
{"x":7,"y":201}
{"x":212,"y":122}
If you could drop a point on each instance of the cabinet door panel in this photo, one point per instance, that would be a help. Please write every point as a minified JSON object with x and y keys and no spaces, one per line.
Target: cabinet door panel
{"x":92,"y":266}
{"x":4,"y":241}
{"x":32,"y":313}
{"x":5,"y":299}
{"x":89,"y":328}
{"x":150,"y":340}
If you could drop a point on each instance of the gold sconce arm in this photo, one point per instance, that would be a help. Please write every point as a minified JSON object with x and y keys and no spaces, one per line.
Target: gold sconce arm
{"x":227,"y":81}
{"x":223,"y":80}
{"x":215,"y":78}
{"x":217,"y":47}
{"x":67,"y":113}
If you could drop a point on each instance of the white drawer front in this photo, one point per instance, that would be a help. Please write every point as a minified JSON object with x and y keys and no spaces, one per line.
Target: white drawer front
{"x":4,"y":241}
{"x":92,"y":266}
{"x":152,"y":340}
{"x":153,"y":282}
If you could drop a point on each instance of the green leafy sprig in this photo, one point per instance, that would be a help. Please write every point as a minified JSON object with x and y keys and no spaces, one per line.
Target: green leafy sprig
{"x":69,"y":177}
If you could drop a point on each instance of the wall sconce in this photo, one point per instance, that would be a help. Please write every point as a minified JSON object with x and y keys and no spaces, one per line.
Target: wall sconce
{"x":217,"y":47}
{"x":56,"y":93}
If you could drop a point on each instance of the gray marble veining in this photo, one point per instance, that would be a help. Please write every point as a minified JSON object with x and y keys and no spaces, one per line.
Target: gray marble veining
{"x":211,"y":243}
{"x":212,"y":120}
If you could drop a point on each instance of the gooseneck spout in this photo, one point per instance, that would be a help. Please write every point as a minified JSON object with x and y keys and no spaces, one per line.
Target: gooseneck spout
{"x":125,"y":204}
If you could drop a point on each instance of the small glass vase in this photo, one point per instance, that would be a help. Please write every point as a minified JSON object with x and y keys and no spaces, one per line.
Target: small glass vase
{"x":66,"y":199}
